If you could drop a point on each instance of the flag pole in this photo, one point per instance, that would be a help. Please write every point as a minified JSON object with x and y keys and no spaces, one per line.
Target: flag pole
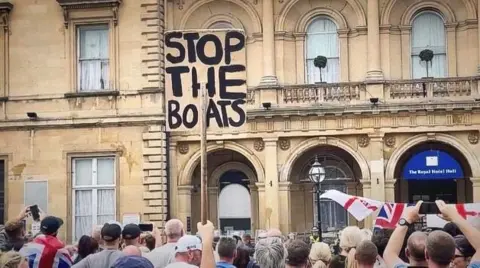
{"x":203,"y":158}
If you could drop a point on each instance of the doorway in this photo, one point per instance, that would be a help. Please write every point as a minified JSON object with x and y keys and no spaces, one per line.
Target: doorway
{"x":234,"y":202}
{"x":429,"y":191}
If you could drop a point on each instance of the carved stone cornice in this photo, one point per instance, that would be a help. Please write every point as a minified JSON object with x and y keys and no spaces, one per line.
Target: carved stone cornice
{"x":5,"y":8}
{"x":69,"y":5}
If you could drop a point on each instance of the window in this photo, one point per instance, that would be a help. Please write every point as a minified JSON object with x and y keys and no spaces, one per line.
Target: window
{"x":36,"y":193}
{"x":322,"y":40}
{"x":93,"y":193}
{"x":221,"y":25}
{"x":428,"y":32}
{"x":333,"y":214}
{"x":93,"y":58}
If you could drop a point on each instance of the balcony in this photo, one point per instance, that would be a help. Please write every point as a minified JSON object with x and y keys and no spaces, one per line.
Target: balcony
{"x":395,"y":92}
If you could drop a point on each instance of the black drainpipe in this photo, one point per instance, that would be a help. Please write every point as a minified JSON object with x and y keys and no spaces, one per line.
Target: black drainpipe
{"x":167,"y":138}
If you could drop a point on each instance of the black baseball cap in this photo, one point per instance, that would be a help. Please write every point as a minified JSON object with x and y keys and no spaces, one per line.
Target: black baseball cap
{"x":131,"y":231}
{"x":111,"y":232}
{"x":50,"y":225}
{"x":464,"y":246}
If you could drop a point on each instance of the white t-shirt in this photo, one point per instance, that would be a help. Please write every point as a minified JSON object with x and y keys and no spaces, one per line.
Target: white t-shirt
{"x":181,"y":265}
{"x":162,"y":256}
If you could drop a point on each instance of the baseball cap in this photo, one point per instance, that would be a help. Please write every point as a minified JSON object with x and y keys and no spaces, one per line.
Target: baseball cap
{"x":131,"y":231}
{"x":111,"y":231}
{"x":462,"y":244}
{"x":188,"y":243}
{"x":132,"y":261}
{"x":50,"y":224}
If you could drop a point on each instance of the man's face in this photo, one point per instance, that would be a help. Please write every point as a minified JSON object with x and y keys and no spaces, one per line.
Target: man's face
{"x":315,"y":233}
{"x":459,"y":261}
{"x":246,"y":239}
{"x":195,"y":257}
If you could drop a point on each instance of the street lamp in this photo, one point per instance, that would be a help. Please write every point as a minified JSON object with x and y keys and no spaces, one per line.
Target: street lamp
{"x":316,"y":174}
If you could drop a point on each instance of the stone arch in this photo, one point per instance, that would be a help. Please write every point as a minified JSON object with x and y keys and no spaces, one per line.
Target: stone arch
{"x":187,"y":171}
{"x":439,"y":137}
{"x":239,"y":166}
{"x":386,"y":12}
{"x":355,"y":4}
{"x":307,"y":18}
{"x":311,"y":143}
{"x":223,"y":17}
{"x":445,"y":11}
{"x":245,"y":4}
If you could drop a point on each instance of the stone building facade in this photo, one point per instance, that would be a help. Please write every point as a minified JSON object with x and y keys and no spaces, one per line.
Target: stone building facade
{"x":381,"y":125}
{"x":81,"y":118}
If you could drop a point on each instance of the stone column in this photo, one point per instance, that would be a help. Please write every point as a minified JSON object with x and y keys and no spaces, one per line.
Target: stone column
{"x":389,"y":190}
{"x":352,"y":190}
{"x":260,"y":223}
{"x":285,"y":207}
{"x":300,"y":57}
{"x":344,"y":61}
{"x":269,"y":76}
{"x":367,"y":191}
{"x":169,"y":15}
{"x":173,"y":177}
{"x":377,"y":173}
{"x":254,"y":207}
{"x":373,"y":37}
{"x":213,"y":205}
{"x":184,"y":208}
{"x":272,"y":216}
{"x":476,"y":189}
{"x":478,"y":20}
{"x":405,"y":32}
{"x":452,"y":49}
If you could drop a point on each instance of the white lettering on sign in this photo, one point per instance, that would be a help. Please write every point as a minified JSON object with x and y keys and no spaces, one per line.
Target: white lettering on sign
{"x":432,"y":171}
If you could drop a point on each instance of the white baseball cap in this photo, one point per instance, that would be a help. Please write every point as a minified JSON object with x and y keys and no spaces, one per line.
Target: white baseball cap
{"x":188,"y":243}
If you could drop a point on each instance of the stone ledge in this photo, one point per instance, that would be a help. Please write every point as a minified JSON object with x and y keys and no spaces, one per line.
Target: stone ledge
{"x":147,"y":151}
{"x":153,"y":136}
{"x":154,"y":180}
{"x":92,"y":94}
{"x":154,"y":165}
{"x":153,"y":195}
{"x":154,"y":210}
{"x":156,"y":173}
{"x":79,"y":4}
{"x":157,"y":187}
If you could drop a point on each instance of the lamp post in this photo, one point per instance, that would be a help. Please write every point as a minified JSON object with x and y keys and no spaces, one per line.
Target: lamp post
{"x":316,"y":174}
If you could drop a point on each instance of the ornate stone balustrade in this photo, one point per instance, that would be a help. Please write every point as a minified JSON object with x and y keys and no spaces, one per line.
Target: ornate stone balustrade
{"x":299,"y":95}
{"x":457,"y":87}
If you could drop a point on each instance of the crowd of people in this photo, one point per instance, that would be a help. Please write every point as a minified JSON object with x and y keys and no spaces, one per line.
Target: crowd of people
{"x":115,"y":246}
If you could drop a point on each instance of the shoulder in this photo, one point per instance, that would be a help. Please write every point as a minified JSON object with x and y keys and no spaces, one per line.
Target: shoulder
{"x":475,"y":264}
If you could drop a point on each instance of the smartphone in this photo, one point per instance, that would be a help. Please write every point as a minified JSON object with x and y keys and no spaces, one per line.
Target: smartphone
{"x":429,"y":208}
{"x":146,"y":227}
{"x":35,"y":212}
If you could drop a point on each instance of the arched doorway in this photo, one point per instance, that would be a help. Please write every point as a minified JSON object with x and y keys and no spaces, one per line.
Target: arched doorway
{"x":433,"y":170}
{"x":232,"y":192}
{"x":234,"y":202}
{"x":342,"y":174}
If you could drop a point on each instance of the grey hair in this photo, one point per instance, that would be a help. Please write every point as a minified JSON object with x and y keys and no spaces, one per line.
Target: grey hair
{"x":174,"y":229}
{"x":270,"y":253}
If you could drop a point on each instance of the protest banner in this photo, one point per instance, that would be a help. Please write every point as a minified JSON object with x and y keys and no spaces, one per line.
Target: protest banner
{"x":214,"y":57}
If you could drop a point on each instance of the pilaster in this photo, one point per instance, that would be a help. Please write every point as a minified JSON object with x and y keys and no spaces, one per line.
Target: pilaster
{"x":254,"y":199}
{"x":373,"y":37}
{"x":377,"y":167}
{"x":285,"y":206}
{"x":269,"y":75}
{"x":478,"y":29}
{"x":389,"y":190}
{"x":185,"y":203}
{"x":300,"y":57}
{"x":405,"y":36}
{"x":5,"y":8}
{"x":261,"y":223}
{"x":272,"y":216}
{"x":213,"y":204}
{"x":155,"y":174}
{"x":452,"y":49}
{"x":153,"y":17}
{"x":344,"y":58}
{"x":476,"y":189}
{"x":173,"y":176}
{"x":367,"y":190}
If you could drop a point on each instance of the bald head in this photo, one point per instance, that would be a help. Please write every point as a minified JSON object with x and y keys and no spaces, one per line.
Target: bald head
{"x":273,"y":233}
{"x":174,"y":230}
{"x":132,"y":251}
{"x":97,"y":233}
{"x":440,"y":248}
{"x":416,"y":244}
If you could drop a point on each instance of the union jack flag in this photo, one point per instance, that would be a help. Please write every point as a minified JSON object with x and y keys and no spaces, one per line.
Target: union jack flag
{"x":389,"y":215}
{"x":46,"y":256}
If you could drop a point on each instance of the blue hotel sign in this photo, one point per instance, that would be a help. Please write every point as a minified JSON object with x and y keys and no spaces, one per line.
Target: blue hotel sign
{"x":432,"y":165}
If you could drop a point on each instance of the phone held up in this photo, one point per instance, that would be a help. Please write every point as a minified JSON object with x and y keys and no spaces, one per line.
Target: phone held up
{"x":35,"y":212}
{"x":429,"y":208}
{"x":146,"y":227}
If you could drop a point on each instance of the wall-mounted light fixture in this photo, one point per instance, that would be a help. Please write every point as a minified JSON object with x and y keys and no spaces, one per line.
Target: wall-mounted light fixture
{"x":32,"y":115}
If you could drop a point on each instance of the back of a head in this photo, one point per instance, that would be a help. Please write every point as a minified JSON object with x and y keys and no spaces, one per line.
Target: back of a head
{"x":174,"y":229}
{"x":297,"y":253}
{"x":366,"y":234}
{"x":270,"y":253}
{"x":86,"y":246}
{"x":320,"y":252}
{"x":416,"y":244}
{"x":150,"y":241}
{"x":440,"y":248}
{"x":380,"y":239}
{"x":132,"y":251}
{"x":10,"y":259}
{"x":350,"y":238}
{"x":452,"y":229}
{"x":14,"y":228}
{"x":366,"y":253}
{"x":132,"y":261}
{"x":227,"y":247}
{"x":337,"y":262}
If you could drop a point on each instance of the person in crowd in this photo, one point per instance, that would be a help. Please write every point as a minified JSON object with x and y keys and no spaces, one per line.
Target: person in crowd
{"x":206,"y":233}
{"x":270,"y":253}
{"x":12,"y":259}
{"x":380,"y":239}
{"x":12,"y":237}
{"x":297,"y":253}
{"x":320,"y":255}
{"x":337,"y":262}
{"x":247,"y":241}
{"x":164,"y":255}
{"x":46,"y":248}
{"x":131,"y":237}
{"x":227,"y":252}
{"x":274,"y":233}
{"x":416,"y":243}
{"x":111,"y":235}
{"x":314,"y":237}
{"x":132,"y":262}
{"x":188,"y":252}
{"x":452,"y":229}
{"x":350,"y":237}
{"x":149,"y":241}
{"x":132,"y":250}
{"x":367,"y":234}
{"x":463,"y":252}
{"x":97,"y":235}
{"x":86,"y":246}
{"x":366,"y":254}
{"x":243,"y":257}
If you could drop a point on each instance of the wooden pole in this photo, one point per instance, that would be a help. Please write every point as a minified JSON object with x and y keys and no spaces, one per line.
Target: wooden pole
{"x":203,"y":159}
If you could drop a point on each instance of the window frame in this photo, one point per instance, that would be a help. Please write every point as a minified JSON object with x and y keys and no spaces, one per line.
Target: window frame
{"x":411,"y":55}
{"x":93,"y":187}
{"x":78,"y":59}
{"x":305,"y":56}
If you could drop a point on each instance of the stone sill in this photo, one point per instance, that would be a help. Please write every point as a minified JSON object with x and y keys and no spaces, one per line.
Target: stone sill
{"x":150,"y":91}
{"x":92,"y":94}
{"x":80,"y":4}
